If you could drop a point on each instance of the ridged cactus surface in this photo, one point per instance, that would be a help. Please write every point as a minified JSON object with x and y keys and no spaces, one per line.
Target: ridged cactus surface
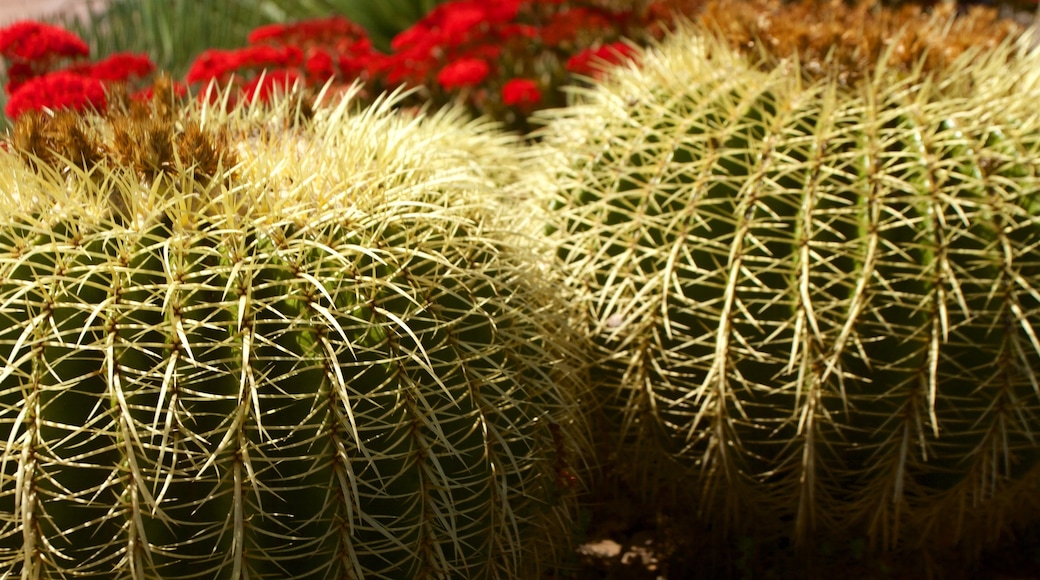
{"x":815,"y":305}
{"x":332,"y":360}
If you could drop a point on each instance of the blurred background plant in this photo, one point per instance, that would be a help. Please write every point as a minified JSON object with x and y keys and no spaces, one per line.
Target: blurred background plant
{"x":500,"y":58}
{"x":383,"y":19}
{"x":503,"y":58}
{"x":174,"y":32}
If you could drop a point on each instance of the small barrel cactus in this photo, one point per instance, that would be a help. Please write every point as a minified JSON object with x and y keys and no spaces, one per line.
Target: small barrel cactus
{"x":249,"y":345}
{"x":812,"y":303}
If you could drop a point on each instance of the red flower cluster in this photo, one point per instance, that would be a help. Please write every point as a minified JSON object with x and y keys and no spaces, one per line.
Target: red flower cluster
{"x":310,"y":52}
{"x":270,"y":82}
{"x":117,"y":67}
{"x":516,"y":50}
{"x":464,"y":72}
{"x":45,"y":69}
{"x":571,"y":26}
{"x":521,"y":92}
{"x":30,"y":41}
{"x":512,"y":55}
{"x":592,"y":61}
{"x":57,"y":90}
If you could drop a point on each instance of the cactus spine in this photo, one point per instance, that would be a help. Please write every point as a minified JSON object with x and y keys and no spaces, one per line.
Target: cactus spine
{"x":329,"y":360}
{"x":812,"y":302}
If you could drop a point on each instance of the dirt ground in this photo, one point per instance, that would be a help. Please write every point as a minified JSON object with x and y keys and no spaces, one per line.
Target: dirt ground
{"x":626,"y":542}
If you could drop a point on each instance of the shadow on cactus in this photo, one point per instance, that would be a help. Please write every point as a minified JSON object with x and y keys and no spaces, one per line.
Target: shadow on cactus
{"x":815,"y":305}
{"x":328,"y":358}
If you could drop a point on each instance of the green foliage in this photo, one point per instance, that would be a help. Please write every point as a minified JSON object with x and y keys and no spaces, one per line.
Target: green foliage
{"x":814,"y":304}
{"x":171,"y":33}
{"x":383,"y":20}
{"x":333,"y":359}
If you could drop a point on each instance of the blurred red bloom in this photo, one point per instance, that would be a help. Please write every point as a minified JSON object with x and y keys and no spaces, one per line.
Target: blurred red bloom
{"x":261,"y":56}
{"x":411,"y":38}
{"x":117,"y":67}
{"x":271,"y":82}
{"x":361,"y":66}
{"x":18,"y":73}
{"x":458,"y":22}
{"x":320,"y":67}
{"x":277,"y":32}
{"x":521,"y":92}
{"x":566,"y":24}
{"x":327,"y":43}
{"x":453,"y":23}
{"x":463,"y":72}
{"x":30,"y":41}
{"x":314,"y":32}
{"x":210,"y":64}
{"x":491,"y":11}
{"x":58,"y":90}
{"x":215,"y":64}
{"x":592,"y":60}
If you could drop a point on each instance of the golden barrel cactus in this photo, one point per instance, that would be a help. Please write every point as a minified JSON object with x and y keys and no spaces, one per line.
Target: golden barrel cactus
{"x":254,"y":345}
{"x":815,"y":303}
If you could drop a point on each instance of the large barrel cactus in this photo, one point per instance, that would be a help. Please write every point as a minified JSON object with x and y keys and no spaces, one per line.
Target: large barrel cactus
{"x":815,"y":303}
{"x":252,"y":345}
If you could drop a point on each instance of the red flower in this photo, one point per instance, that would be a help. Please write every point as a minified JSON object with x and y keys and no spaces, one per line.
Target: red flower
{"x":309,"y":33}
{"x":29,"y":40}
{"x":320,"y":67}
{"x":521,"y":92}
{"x":459,"y":21}
{"x":325,"y":42}
{"x":411,"y":37}
{"x":269,"y":83}
{"x":117,"y":67}
{"x":18,"y":73}
{"x":464,"y":72}
{"x":275,"y":32}
{"x":501,"y":10}
{"x":484,"y":52}
{"x":362,"y":66}
{"x":211,"y":64}
{"x":454,"y":23}
{"x":58,"y":90}
{"x":218,"y":64}
{"x":263,"y":56}
{"x":593,"y":60}
{"x":492,"y":11}
{"x":569,"y":22}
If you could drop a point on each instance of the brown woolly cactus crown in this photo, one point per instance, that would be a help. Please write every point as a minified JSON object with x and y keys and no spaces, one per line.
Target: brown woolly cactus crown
{"x":850,"y":41}
{"x":143,"y":136}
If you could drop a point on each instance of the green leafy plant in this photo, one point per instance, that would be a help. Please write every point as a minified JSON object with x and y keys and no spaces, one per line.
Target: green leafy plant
{"x":171,"y":33}
{"x":813,"y":298}
{"x":260,"y":344}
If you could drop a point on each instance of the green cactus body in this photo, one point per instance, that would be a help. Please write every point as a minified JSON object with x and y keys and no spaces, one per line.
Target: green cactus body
{"x":812,"y":302}
{"x":339,"y":365}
